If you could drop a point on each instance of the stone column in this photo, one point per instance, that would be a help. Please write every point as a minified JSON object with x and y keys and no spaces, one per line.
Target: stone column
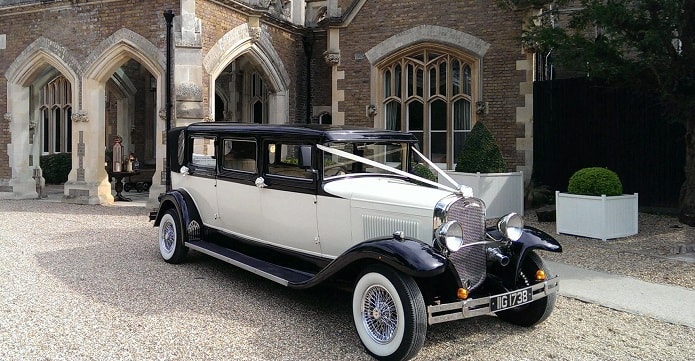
{"x":22,"y":184}
{"x":88,"y":181}
{"x":188,"y":69}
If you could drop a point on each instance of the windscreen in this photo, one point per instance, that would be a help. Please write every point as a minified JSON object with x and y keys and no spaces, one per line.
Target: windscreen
{"x":391,"y":154}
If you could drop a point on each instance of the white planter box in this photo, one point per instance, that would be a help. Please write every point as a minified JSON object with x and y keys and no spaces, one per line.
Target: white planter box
{"x":596,"y":217}
{"x":502,"y":192}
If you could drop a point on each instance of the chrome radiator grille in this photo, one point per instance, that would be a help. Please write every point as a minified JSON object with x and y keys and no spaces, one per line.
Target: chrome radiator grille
{"x":470,"y":262}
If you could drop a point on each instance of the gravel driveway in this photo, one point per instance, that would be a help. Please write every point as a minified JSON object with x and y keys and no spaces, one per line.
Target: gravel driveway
{"x":87,"y":283}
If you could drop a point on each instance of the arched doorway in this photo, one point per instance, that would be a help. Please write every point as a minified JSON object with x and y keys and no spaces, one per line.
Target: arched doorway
{"x":42,"y":85}
{"x":242,"y":93}
{"x":121,"y":95}
{"x":248,"y":81}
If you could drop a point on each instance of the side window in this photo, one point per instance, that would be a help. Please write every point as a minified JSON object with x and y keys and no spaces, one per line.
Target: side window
{"x":203,"y":151}
{"x":239,"y":155}
{"x":283,"y":160}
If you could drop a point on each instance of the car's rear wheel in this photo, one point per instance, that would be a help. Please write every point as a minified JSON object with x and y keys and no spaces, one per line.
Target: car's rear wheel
{"x":171,"y":238}
{"x":536,"y":311}
{"x":389,"y":314}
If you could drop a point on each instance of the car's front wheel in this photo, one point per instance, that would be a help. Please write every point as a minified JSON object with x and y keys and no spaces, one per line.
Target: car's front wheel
{"x":536,"y":311}
{"x":171,"y":238}
{"x":389,"y":314}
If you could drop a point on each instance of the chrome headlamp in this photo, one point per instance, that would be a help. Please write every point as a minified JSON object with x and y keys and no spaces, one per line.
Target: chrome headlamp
{"x":450,"y":234}
{"x":511,"y":226}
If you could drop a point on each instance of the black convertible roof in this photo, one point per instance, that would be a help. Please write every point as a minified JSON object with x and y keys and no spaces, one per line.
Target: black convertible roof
{"x":317,"y":132}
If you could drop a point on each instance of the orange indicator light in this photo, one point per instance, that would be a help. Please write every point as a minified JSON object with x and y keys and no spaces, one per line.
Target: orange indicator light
{"x":462,"y":293}
{"x":540,"y":275}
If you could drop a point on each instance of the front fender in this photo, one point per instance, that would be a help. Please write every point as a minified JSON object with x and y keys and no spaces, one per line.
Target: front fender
{"x":532,"y":238}
{"x":410,"y":256}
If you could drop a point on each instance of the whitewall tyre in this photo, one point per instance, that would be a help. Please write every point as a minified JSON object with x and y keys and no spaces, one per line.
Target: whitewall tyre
{"x":389,"y":314}
{"x":171,"y":238}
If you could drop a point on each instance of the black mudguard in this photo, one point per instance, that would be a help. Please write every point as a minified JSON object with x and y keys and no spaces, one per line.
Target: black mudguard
{"x":410,"y":256}
{"x":184,"y":205}
{"x":532,"y":238}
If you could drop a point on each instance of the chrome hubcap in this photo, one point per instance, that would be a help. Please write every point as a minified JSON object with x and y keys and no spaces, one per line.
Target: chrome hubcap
{"x":379,"y":314}
{"x":168,"y":236}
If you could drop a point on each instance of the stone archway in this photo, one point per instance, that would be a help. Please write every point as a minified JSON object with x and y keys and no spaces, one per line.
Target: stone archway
{"x":42,"y":60}
{"x":253,"y":45}
{"x":90,"y":183}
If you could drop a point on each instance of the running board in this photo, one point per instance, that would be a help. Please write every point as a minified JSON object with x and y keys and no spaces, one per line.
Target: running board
{"x":282,"y":275}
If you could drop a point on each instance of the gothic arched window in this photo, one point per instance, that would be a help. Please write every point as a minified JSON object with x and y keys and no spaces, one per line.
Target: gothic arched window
{"x":259,"y":99}
{"x":428,"y":91}
{"x":55,"y":107}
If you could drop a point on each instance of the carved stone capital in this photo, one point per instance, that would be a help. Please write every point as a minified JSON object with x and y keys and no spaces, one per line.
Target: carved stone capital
{"x":80,"y":116}
{"x":332,"y":58}
{"x":32,"y":125}
{"x":162,"y":114}
{"x":255,"y":33}
{"x":7,"y":117}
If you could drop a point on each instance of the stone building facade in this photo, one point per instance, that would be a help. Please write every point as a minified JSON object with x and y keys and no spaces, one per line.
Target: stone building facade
{"x":76,"y":74}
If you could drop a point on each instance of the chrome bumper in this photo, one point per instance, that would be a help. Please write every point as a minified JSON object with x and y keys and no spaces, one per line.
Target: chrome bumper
{"x":481,"y":306}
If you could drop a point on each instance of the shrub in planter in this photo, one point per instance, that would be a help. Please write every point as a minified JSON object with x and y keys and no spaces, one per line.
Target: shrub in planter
{"x":56,"y":167}
{"x":595,"y":181}
{"x":423,"y":171}
{"x":480,"y":153}
{"x":596,"y":207}
{"x":481,"y":167}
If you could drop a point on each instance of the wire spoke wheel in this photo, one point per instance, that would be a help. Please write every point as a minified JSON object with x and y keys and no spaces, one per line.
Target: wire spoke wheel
{"x":389,"y":313}
{"x":379,"y":314}
{"x":171,"y":245}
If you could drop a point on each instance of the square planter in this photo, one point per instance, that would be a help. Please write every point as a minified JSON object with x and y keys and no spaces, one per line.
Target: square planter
{"x":598,"y":217}
{"x":502,"y":192}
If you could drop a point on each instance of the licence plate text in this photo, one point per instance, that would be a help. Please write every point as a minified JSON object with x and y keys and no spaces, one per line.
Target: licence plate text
{"x":511,"y":299}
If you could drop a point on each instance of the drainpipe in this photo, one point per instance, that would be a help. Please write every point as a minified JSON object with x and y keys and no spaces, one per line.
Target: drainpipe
{"x":308,"y":42}
{"x":169,"y":17}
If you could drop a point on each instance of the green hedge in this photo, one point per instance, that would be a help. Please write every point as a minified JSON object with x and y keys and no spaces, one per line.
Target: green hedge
{"x":56,"y":167}
{"x":480,"y":153}
{"x":595,"y":181}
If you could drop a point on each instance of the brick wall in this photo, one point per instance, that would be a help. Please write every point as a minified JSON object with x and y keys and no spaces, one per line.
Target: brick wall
{"x":483,"y":19}
{"x":79,"y":27}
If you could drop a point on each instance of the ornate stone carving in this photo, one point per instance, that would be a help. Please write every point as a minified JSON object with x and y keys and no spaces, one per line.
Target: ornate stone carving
{"x":255,"y":33}
{"x":7,"y":117}
{"x":162,"y":114}
{"x":264,"y":3}
{"x":80,"y":116}
{"x":481,"y":107}
{"x":285,"y":7}
{"x":189,"y":91}
{"x":332,"y":58}
{"x":209,"y":118}
{"x":372,"y":110}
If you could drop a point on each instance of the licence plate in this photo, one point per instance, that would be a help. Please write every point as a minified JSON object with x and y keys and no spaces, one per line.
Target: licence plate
{"x":511,"y":299}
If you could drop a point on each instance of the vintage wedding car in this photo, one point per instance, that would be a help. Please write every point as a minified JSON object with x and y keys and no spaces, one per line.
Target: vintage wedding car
{"x":306,"y":204}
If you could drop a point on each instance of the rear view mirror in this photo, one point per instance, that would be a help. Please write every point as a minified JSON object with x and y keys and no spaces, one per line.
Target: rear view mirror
{"x":305,"y":157}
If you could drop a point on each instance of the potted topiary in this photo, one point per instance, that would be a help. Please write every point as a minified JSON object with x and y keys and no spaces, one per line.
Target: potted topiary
{"x":595,"y":206}
{"x":480,"y":166}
